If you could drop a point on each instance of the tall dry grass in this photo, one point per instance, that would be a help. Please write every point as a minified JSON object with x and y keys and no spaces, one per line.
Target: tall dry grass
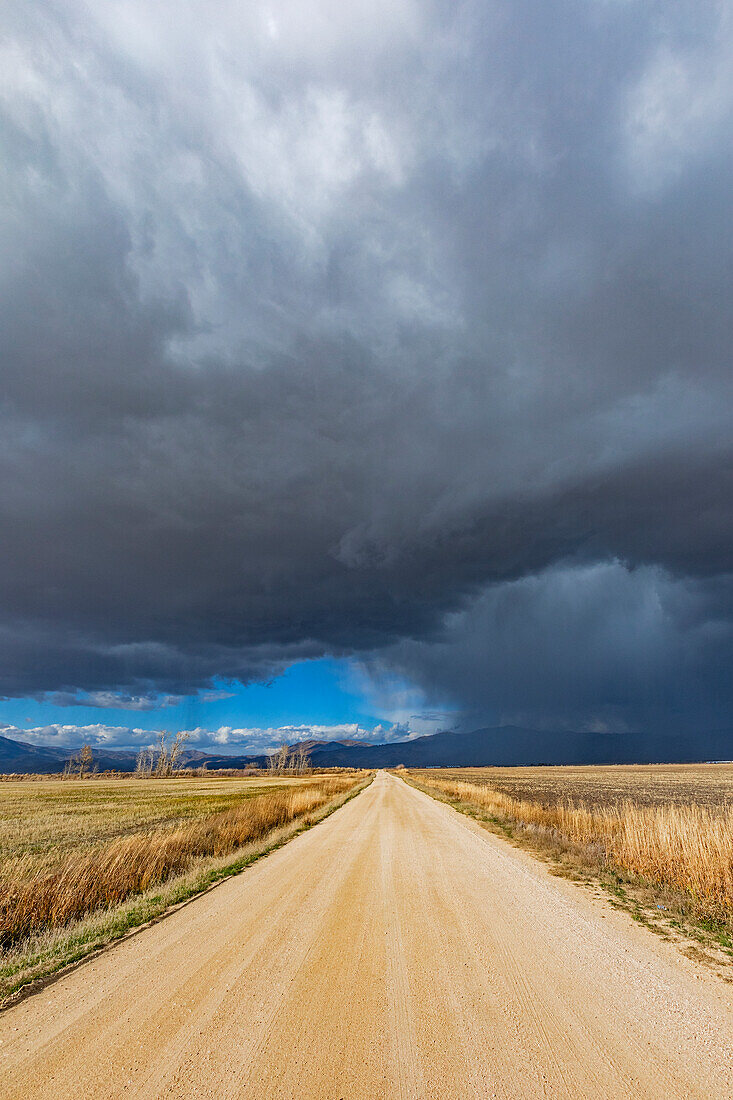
{"x":34,"y":899}
{"x":688,"y":847}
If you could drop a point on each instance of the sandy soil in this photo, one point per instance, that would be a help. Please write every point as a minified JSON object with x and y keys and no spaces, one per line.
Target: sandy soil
{"x":395,"y":950}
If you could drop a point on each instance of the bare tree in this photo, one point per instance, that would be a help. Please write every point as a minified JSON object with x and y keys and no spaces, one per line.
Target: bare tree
{"x":289,"y":761}
{"x":281,"y":761}
{"x":86,"y":760}
{"x":282,"y":757}
{"x":174,"y":752}
{"x":80,"y":763}
{"x":302,"y":759}
{"x":144,"y":764}
{"x":161,"y":754}
{"x":167,"y":753}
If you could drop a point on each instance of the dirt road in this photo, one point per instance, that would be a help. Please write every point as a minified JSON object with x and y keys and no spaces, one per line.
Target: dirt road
{"x":395,"y":950}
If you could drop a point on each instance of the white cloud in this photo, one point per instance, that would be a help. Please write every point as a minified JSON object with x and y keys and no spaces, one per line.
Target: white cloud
{"x":231,"y":740}
{"x":71,"y":736}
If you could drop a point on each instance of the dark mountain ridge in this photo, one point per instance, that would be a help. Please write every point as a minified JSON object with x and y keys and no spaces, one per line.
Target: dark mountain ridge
{"x":513,"y":746}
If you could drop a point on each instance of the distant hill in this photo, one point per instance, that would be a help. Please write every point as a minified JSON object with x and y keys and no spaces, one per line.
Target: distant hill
{"x":501,"y":746}
{"x":508,"y":746}
{"x":23,"y":758}
{"x":18,"y":756}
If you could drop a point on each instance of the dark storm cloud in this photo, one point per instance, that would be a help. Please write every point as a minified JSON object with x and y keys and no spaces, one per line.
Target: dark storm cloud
{"x":598,"y":646}
{"x":317,"y":330}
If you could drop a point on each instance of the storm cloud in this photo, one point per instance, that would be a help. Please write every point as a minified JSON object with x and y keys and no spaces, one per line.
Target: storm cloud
{"x":397,"y":330}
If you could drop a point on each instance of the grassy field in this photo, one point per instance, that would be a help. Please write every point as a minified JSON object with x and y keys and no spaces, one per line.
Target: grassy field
{"x":43,"y":820}
{"x":597,"y":787}
{"x":659,"y":837}
{"x":82,"y":862}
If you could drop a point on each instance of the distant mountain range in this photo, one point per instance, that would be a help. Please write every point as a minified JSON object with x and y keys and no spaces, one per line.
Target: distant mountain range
{"x":21,"y":757}
{"x":509,"y":746}
{"x":503,"y":746}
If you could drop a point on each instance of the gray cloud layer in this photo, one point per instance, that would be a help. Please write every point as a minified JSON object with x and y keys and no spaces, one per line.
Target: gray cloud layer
{"x":322,"y":324}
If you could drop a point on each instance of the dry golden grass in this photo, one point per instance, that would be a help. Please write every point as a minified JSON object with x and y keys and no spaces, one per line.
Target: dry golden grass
{"x":94,"y":847}
{"x":682,"y":844}
{"x":43,"y":820}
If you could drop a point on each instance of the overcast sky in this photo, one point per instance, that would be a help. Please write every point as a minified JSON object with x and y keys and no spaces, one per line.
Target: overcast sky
{"x":387,"y":332}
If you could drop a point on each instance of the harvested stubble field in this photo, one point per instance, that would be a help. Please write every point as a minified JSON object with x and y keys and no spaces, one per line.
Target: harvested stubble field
{"x":82,"y":862}
{"x":660,"y":837}
{"x":598,"y":787}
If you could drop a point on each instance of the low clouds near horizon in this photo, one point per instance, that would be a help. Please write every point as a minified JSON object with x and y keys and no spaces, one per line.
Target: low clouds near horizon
{"x":394,"y":331}
{"x":226,"y":740}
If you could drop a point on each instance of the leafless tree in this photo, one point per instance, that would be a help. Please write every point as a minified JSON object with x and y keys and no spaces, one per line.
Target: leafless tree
{"x":167,"y":752}
{"x":179,"y":741}
{"x":144,"y":764}
{"x":81,"y":763}
{"x":161,"y":754}
{"x":302,"y":759}
{"x":289,"y":761}
{"x":286,"y":761}
{"x":86,"y":760}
